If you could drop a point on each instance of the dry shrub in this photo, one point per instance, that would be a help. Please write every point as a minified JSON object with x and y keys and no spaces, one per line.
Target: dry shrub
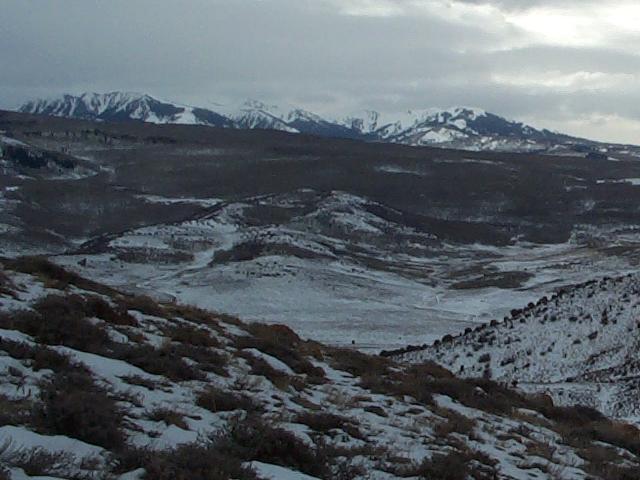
{"x":208,"y":359}
{"x":55,"y":276}
{"x":194,"y":461}
{"x":357,"y":363}
{"x":282,"y":343}
{"x":614,"y":433}
{"x":216,"y":400}
{"x":59,"y":320}
{"x":100,"y":308}
{"x":580,"y":426}
{"x":458,"y":465}
{"x":610,"y":471}
{"x":14,"y":412}
{"x":196,"y":315}
{"x":324,"y":422}
{"x":191,"y":335}
{"x":482,"y":394}
{"x":73,"y":405}
{"x":454,"y":423}
{"x":221,"y":457}
{"x":41,"y":357}
{"x":412,"y":382}
{"x":139,"y":381}
{"x":7,"y":287}
{"x":158,"y":361}
{"x":453,"y":466}
{"x":278,"y":378}
{"x":376,"y":410}
{"x":169,"y":417}
{"x":142,"y":304}
{"x":543,"y":450}
{"x":39,"y":462}
{"x":252,"y":439}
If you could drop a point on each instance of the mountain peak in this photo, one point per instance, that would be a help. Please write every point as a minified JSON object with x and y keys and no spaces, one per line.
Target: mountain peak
{"x":123,"y":106}
{"x":461,"y":127}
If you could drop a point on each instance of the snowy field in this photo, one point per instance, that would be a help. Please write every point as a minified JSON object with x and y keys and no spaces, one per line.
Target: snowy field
{"x":384,"y":299}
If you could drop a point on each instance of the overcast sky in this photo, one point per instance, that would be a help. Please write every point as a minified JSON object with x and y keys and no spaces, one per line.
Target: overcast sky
{"x":569,"y":65}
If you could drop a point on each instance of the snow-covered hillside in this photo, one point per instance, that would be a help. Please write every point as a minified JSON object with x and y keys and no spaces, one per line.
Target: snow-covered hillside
{"x":579,"y":345}
{"x":457,"y":127}
{"x":99,"y":384}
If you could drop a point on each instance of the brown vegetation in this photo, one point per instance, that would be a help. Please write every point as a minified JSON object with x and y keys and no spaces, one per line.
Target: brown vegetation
{"x":74,"y":405}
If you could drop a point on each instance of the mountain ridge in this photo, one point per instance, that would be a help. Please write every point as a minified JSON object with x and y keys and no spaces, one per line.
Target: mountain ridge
{"x":460,"y":127}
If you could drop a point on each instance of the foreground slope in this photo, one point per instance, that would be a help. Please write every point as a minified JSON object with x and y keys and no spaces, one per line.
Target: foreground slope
{"x":95,"y":382}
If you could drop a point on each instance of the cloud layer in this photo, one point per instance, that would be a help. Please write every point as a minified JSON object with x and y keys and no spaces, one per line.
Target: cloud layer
{"x":568,"y":65}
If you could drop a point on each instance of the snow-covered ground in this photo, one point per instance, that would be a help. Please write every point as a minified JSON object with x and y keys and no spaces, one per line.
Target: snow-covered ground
{"x":340,"y":274}
{"x":579,"y":346}
{"x":345,"y":411}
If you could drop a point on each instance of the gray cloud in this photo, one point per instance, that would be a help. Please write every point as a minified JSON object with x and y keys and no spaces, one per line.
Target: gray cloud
{"x":317,"y":54}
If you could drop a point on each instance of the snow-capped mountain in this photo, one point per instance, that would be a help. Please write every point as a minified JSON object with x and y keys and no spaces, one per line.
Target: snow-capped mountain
{"x":119,"y":106}
{"x":254,"y":114}
{"x":458,"y":127}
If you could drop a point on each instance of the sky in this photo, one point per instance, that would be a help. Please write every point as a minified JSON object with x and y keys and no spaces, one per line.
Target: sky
{"x":566,"y":65}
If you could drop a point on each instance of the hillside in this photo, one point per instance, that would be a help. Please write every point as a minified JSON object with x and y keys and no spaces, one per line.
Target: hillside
{"x":99,"y":383}
{"x":579,"y":346}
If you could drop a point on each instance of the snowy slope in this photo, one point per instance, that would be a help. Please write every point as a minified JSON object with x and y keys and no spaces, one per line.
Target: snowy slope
{"x":580,"y":345}
{"x":121,"y":387}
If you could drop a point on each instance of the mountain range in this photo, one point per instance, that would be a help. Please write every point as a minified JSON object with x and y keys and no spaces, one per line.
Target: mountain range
{"x":457,"y":127}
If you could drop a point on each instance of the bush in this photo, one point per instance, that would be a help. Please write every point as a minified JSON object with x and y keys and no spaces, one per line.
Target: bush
{"x":169,"y":417}
{"x":55,"y":276}
{"x":455,"y":423}
{"x":41,"y":357}
{"x":164,"y":361}
{"x":142,"y":304}
{"x":221,"y":456}
{"x":253,"y":439}
{"x":191,"y":335}
{"x":325,"y":422}
{"x":14,"y":412}
{"x":196,"y":461}
{"x":357,"y":363}
{"x":458,"y":466}
{"x":98,"y":307}
{"x":282,"y":343}
{"x":73,"y":405}
{"x":216,"y":400}
{"x":452,"y":466}
{"x":59,"y":320}
{"x":6,"y":285}
{"x":38,"y":462}
{"x":278,"y":378}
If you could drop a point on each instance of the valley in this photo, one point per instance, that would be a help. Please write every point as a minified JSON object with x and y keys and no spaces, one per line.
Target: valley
{"x":376,"y":246}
